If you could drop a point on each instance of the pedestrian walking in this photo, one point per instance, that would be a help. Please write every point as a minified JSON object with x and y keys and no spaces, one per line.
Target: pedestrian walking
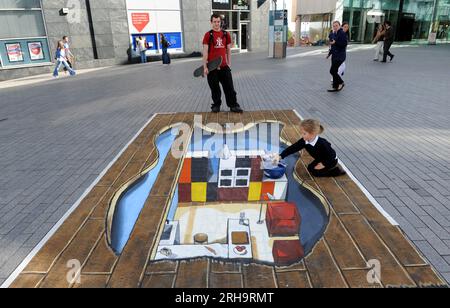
{"x":141,"y":48}
{"x":217,"y":43}
{"x":338,"y":42}
{"x":69,"y":55}
{"x":326,"y":163}
{"x":164,"y":46}
{"x":388,"y":41}
{"x":342,"y":68}
{"x":61,"y":59}
{"x":379,"y":41}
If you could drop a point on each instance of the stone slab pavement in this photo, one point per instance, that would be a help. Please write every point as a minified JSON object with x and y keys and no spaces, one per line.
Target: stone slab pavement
{"x":390,"y":127}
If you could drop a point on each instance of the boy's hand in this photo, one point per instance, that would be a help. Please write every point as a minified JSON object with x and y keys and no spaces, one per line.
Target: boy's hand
{"x":332,"y":42}
{"x":205,"y":71}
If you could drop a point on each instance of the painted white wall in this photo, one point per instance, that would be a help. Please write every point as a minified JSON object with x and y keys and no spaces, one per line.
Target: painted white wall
{"x":153,"y":4}
{"x":160,"y":21}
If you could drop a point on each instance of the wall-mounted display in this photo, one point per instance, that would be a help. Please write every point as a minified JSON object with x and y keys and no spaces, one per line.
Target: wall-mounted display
{"x":36,"y":51}
{"x":14,"y":52}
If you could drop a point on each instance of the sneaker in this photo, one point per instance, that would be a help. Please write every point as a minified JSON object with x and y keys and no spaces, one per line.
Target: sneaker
{"x":236,"y":109}
{"x":341,"y":87}
{"x":215,"y":109}
{"x":383,"y":61}
{"x":392,"y":57}
{"x":376,"y":60}
{"x":332,"y":90}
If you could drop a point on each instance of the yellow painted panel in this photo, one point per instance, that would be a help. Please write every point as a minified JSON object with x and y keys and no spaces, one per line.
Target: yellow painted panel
{"x":199,"y":192}
{"x":254,"y":193}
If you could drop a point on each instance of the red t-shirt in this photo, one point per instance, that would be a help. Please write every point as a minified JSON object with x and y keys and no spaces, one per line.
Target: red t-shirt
{"x":218,"y":47}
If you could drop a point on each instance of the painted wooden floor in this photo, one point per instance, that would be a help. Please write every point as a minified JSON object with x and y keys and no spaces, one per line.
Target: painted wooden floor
{"x":357,"y":232}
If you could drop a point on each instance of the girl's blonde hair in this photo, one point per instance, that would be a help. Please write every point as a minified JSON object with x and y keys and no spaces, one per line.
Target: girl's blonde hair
{"x":60,"y":44}
{"x":312,"y":126}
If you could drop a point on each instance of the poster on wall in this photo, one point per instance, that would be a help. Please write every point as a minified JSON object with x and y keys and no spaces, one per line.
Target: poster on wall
{"x":36,"y":51}
{"x":174,"y":40}
{"x":14,"y":52}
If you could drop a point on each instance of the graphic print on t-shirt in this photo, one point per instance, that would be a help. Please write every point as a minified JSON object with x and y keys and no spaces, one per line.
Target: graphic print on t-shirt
{"x":219,"y":43}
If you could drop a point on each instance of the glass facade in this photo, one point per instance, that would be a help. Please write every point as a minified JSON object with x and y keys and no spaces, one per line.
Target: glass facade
{"x":236,"y":20}
{"x":412,"y":19}
{"x":23,"y":39}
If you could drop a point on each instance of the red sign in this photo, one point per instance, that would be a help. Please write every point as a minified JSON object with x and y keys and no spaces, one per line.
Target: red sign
{"x":140,"y":20}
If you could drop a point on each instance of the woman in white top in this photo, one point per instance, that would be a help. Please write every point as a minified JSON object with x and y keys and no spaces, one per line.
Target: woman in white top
{"x":141,"y":48}
{"x":61,"y":58}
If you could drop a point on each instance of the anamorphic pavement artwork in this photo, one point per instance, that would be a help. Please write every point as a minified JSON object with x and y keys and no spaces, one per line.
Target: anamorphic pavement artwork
{"x":189,"y":204}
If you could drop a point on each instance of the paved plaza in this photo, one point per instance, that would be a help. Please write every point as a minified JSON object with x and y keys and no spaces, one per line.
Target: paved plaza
{"x":390,"y":127}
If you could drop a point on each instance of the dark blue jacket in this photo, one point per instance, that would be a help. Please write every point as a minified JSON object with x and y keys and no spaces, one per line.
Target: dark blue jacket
{"x":339,"y":49}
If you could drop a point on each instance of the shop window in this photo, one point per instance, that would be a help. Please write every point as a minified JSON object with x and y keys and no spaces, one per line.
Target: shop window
{"x":245,"y":16}
{"x":23,"y":38}
{"x":20,"y":4}
{"x":15,"y":24}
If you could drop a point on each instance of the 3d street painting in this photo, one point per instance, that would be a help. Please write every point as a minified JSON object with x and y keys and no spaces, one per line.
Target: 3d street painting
{"x":230,"y":201}
{"x":195,"y":201}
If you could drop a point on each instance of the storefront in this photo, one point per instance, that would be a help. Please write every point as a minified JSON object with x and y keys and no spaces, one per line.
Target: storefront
{"x":23,"y":36}
{"x":412,"y":19}
{"x":236,"y":20}
{"x":151,"y":18}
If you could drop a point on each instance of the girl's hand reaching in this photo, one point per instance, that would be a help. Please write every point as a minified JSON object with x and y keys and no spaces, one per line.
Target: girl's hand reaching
{"x":276,"y":159}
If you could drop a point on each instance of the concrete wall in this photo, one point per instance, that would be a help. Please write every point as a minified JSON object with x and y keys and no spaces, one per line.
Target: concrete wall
{"x":110,"y":39}
{"x":259,"y":27}
{"x":110,"y":30}
{"x":196,"y":22}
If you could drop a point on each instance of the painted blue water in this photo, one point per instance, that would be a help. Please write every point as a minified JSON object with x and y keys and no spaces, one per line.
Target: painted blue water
{"x":311,"y":209}
{"x":132,"y":201}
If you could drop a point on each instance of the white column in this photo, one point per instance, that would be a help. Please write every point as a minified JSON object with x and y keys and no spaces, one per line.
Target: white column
{"x":339,"y":13}
{"x":298,"y":30}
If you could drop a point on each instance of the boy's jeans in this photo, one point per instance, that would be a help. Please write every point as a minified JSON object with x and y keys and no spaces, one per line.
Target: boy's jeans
{"x":66,"y":65}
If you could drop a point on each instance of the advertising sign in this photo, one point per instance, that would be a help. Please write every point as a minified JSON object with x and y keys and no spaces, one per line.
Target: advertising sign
{"x":140,"y":20}
{"x":221,"y":4}
{"x":36,"y":51}
{"x":174,"y":40}
{"x":14,"y":52}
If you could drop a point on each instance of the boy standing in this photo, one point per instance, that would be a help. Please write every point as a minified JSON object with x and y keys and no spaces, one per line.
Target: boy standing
{"x":217,"y":43}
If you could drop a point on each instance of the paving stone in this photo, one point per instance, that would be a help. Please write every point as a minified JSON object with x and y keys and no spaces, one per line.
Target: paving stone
{"x":51,"y":150}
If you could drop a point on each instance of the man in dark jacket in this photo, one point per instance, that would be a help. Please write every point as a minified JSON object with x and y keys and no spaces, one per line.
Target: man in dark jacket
{"x":338,"y":42}
{"x":388,"y":41}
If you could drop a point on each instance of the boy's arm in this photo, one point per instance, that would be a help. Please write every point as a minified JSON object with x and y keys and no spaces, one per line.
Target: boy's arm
{"x":229,"y":55}
{"x":205,"y":58}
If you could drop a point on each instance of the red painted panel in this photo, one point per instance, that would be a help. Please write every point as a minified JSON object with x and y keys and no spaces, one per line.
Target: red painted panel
{"x":267,"y":188}
{"x":184,"y":193}
{"x":185,"y":176}
{"x":257,"y":173}
{"x":233,"y":194}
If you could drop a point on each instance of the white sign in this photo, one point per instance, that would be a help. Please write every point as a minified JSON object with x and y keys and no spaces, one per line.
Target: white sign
{"x":153,"y":4}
